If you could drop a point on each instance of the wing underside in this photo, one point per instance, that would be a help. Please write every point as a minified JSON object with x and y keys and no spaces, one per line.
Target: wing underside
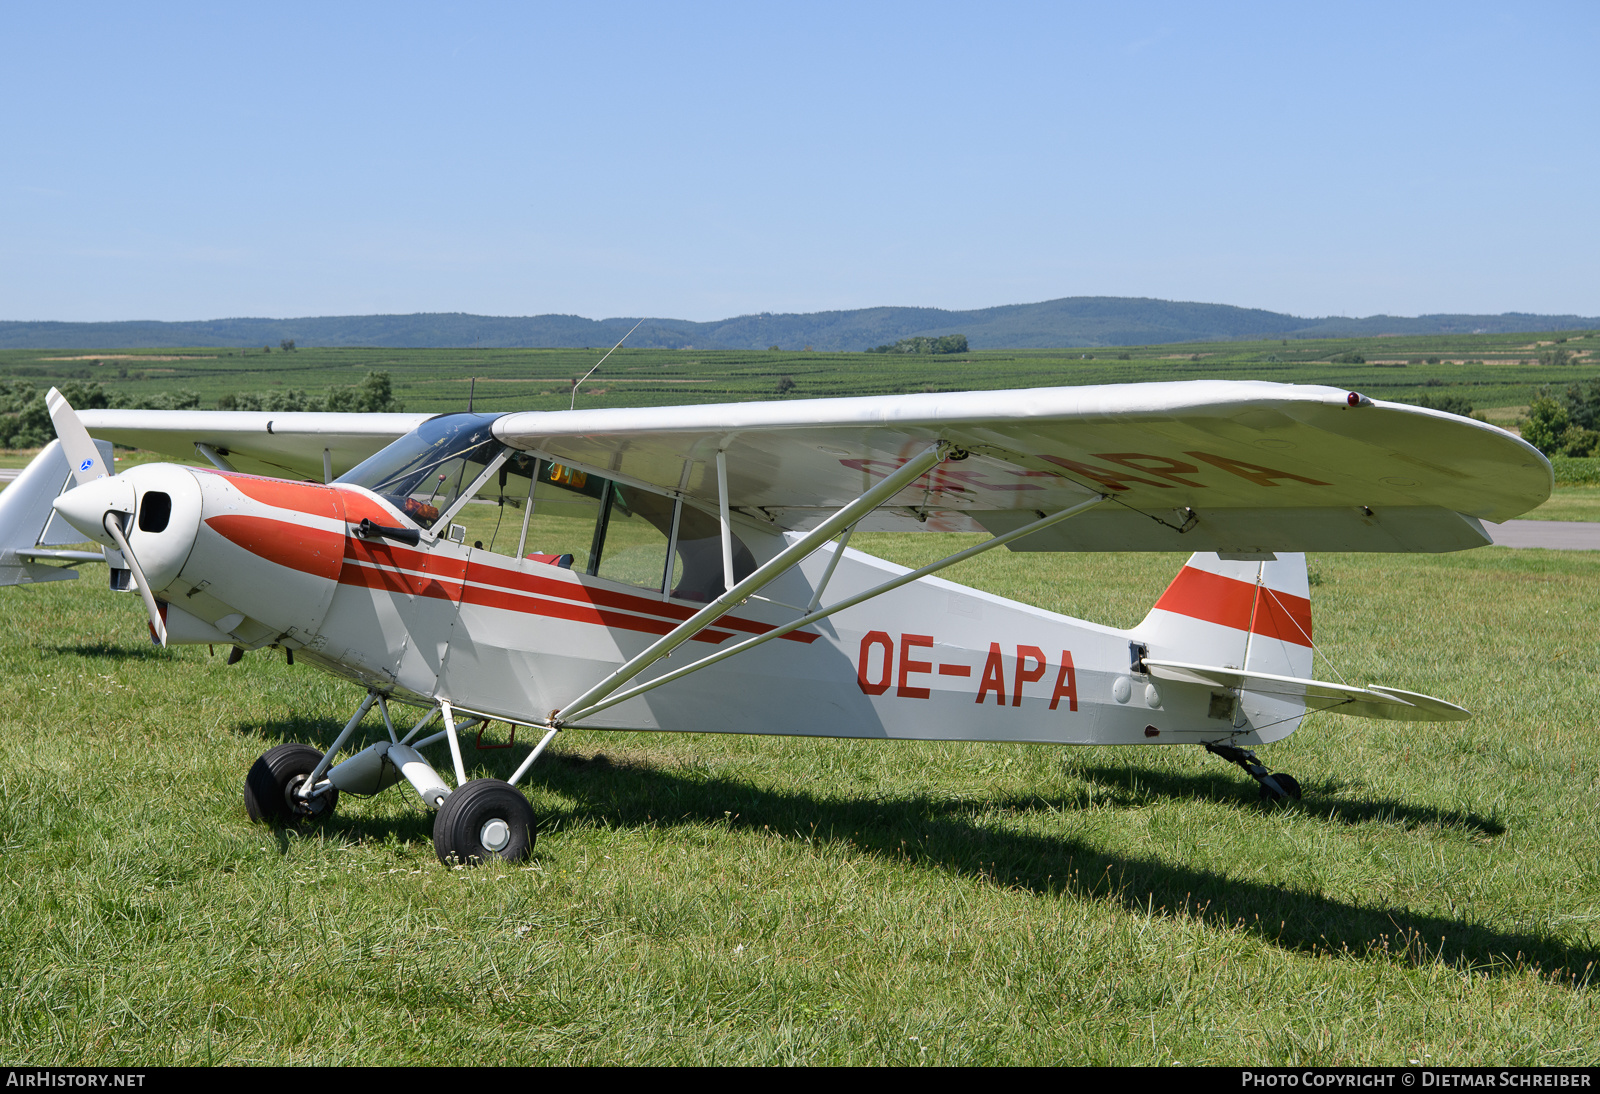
{"x":256,"y":442}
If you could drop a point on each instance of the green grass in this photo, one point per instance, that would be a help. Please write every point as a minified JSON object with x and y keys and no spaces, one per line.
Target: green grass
{"x":1576,"y":471}
{"x":698,"y":899}
{"x":1569,"y":503}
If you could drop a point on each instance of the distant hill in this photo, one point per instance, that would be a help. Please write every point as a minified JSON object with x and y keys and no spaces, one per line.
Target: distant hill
{"x":1072,"y":321}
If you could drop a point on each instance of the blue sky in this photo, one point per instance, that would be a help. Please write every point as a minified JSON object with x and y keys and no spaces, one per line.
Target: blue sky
{"x":701,"y":161}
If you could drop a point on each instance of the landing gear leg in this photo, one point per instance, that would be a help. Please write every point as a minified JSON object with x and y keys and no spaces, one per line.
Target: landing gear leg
{"x":1275,"y":788}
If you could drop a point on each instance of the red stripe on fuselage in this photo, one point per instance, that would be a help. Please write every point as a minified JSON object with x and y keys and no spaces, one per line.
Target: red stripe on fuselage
{"x":393,"y":581}
{"x":307,"y":548}
{"x":302,"y":497}
{"x":1201,"y":594}
{"x":582,"y":613}
{"x":519,"y":581}
{"x":524,"y":592}
{"x":346,"y":503}
{"x":384,"y":565}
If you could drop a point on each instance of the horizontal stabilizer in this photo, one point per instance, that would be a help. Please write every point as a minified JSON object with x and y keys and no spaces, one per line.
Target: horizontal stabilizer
{"x":1373,"y":702}
{"x":30,"y":531}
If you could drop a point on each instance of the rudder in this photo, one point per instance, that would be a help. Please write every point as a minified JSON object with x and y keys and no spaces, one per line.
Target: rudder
{"x":1252,"y":614}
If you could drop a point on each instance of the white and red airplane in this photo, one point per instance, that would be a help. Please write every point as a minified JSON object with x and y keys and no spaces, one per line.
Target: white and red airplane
{"x":541,"y":568}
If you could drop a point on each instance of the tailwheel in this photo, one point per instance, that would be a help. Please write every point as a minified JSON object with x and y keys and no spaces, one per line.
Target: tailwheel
{"x":271,"y":788}
{"x":1288,"y":783}
{"x":484,"y":819}
{"x":1288,"y":786}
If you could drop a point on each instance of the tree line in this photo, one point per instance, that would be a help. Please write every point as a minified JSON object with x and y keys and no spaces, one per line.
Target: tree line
{"x":1566,"y":425}
{"x":25,"y":420}
{"x":949,"y":343}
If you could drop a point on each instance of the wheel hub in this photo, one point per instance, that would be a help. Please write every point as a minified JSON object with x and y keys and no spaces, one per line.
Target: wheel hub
{"x":299,"y":803}
{"x":494,"y":835}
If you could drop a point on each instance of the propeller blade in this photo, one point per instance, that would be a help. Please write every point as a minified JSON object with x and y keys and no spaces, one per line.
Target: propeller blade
{"x":82,"y":456}
{"x":88,"y":466}
{"x":113,"y":526}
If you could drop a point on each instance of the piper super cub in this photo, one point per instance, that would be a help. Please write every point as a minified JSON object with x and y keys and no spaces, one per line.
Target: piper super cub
{"x":539,"y":568}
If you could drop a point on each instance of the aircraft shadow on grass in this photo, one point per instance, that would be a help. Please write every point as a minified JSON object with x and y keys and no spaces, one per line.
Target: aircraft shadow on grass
{"x":950,"y":836}
{"x":1128,"y":784}
{"x":116,"y":651}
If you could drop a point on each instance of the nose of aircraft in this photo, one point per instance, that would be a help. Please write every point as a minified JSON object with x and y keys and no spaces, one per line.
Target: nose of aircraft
{"x":85,"y":507}
{"x":159,"y":506}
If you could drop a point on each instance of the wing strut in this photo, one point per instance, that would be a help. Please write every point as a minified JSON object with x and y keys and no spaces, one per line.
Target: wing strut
{"x":599,"y":704}
{"x":769,"y":572}
{"x":827,"y":575}
{"x":727,"y":525}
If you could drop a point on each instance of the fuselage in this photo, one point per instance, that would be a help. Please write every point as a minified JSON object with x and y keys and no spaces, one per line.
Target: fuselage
{"x":517,"y":634}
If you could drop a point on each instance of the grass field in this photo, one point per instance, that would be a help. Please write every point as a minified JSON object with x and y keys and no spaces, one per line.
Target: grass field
{"x":699,"y":899}
{"x":1569,"y":503}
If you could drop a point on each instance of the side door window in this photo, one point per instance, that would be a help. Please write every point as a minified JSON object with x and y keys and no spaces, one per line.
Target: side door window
{"x":638,"y":527}
{"x":697,"y":565}
{"x":564,"y":526}
{"x":591,"y":525}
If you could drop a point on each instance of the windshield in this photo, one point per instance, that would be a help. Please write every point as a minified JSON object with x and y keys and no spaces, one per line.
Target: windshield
{"x":423,"y":472}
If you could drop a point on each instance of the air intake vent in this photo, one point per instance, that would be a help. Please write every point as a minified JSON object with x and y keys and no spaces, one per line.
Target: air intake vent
{"x":155,"y":509}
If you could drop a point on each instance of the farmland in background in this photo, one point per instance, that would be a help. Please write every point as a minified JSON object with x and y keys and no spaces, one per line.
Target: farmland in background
{"x":1494,"y":371}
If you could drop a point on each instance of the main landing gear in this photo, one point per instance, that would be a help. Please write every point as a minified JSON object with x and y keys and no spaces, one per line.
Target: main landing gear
{"x":484,"y":819}
{"x":481,"y":819}
{"x":1275,"y":788}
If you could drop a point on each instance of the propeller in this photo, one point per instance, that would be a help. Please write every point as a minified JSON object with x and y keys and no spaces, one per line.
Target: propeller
{"x":82,"y":456}
{"x":99,"y":498}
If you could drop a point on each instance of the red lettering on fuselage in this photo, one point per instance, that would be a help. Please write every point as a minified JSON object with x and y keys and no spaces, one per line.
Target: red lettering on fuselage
{"x":994,"y":676}
{"x":881,"y":685}
{"x":908,"y":642}
{"x":1066,"y":683}
{"x":1026,"y":675}
{"x":877,"y":668}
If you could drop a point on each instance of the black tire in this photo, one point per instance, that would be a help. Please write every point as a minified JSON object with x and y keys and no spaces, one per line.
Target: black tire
{"x":279,"y":771}
{"x":462,"y":832}
{"x":1291,"y":787}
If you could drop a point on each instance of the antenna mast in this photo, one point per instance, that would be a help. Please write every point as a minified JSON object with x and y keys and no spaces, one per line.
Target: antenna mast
{"x":600,"y":362}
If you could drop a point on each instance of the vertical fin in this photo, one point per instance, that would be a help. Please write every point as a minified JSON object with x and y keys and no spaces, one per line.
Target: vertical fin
{"x":1252,"y":614}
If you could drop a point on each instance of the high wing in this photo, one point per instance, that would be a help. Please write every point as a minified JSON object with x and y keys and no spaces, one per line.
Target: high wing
{"x":1211,"y":465}
{"x":1203,"y":465}
{"x":256,"y":442}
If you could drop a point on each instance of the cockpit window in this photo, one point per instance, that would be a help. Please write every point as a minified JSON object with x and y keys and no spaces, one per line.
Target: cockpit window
{"x":423,"y":472}
{"x":560,"y":516}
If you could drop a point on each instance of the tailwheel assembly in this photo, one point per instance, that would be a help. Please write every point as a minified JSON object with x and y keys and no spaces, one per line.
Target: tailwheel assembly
{"x":484,"y":819}
{"x":1275,"y":788}
{"x":273,"y":788}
